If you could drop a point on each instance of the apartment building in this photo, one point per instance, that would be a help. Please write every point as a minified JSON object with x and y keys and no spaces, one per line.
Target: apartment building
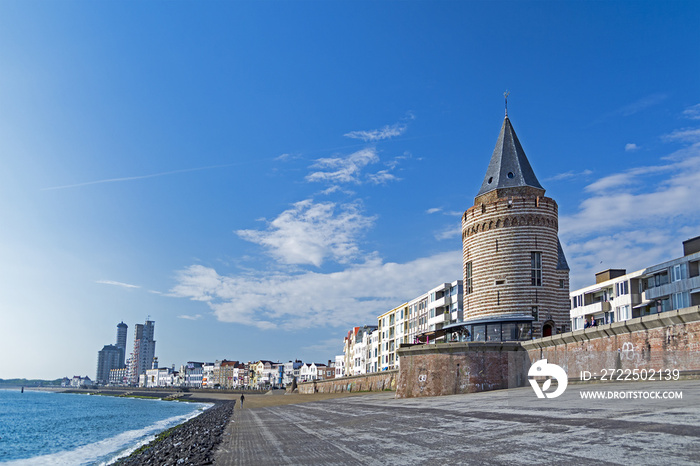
{"x":389,"y":325}
{"x":444,"y":308}
{"x":619,"y":296}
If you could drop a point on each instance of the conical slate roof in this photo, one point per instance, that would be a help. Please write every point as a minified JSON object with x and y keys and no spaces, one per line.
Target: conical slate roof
{"x":561,"y":258}
{"x":509,"y":167}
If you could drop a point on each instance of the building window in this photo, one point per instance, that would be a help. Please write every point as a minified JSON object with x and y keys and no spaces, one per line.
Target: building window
{"x":561,"y":283}
{"x":623,"y":313}
{"x":622,"y":288}
{"x":680,"y":300}
{"x":536,"y":313}
{"x":536,"y":268}
{"x":468,"y":276}
{"x":678,"y":272}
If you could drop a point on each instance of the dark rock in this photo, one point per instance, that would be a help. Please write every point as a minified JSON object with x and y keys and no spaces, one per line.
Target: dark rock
{"x":191,"y":443}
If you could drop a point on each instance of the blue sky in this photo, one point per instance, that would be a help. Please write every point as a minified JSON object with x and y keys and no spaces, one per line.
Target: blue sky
{"x":258,"y":177}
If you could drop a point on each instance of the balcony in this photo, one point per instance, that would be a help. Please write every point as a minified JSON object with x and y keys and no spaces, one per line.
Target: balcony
{"x":440,"y":302}
{"x":679,"y":286}
{"x":594,"y":308}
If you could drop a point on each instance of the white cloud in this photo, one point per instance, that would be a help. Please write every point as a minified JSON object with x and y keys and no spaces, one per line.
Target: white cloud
{"x":310,"y":233}
{"x":186,"y":317}
{"x":684,"y":135}
{"x":635,"y":218}
{"x":632,"y":176}
{"x":350,"y":297}
{"x":632,"y":250}
{"x":331,"y":346}
{"x":453,"y":231}
{"x":381,"y":177}
{"x":631,"y":147}
{"x":343,"y":170}
{"x":386,"y":132}
{"x":569,"y":175}
{"x":433,"y":210}
{"x":642,"y":104}
{"x":139,"y":177}
{"x":111,"y":282}
{"x":692,"y":112}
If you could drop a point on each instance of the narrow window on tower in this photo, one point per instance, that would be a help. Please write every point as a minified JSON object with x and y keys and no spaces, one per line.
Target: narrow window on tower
{"x":468,"y":277}
{"x":536,"y":268}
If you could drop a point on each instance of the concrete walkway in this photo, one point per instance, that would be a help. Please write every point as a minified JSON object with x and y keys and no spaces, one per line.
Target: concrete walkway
{"x":500,"y":427}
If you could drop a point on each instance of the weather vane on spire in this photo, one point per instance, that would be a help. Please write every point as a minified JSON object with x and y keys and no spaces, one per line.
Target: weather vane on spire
{"x":506,"y":94}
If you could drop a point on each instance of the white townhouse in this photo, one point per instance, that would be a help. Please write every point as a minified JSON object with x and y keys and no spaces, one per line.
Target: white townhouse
{"x":290,"y":371}
{"x":373,"y":352}
{"x":191,"y":374}
{"x":78,"y":381}
{"x":339,"y":366}
{"x":313,"y":371}
{"x":362,"y":349}
{"x":166,"y":377}
{"x":208,"y":379}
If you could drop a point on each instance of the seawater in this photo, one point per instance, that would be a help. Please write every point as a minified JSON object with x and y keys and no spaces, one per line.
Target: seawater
{"x":48,"y":428}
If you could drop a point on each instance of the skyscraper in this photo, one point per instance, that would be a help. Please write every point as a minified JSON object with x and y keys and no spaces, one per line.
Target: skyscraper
{"x":107,"y":359}
{"x":121,"y":342}
{"x":112,"y":356}
{"x":144,"y":350}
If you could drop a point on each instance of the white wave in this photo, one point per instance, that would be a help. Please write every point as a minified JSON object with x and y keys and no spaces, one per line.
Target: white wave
{"x":108,"y":450}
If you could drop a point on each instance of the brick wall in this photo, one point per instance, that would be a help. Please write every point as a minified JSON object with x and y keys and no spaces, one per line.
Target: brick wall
{"x":670,"y":340}
{"x":450,"y":368}
{"x":374,"y":382}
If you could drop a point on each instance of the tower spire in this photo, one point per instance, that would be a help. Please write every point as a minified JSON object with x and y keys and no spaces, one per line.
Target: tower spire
{"x":509,"y":167}
{"x":505,"y":95}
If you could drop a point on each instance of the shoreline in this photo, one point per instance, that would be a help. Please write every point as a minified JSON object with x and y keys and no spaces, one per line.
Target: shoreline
{"x":191,"y":443}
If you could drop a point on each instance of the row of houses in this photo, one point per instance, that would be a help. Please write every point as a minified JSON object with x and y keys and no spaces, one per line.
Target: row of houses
{"x":76,"y":382}
{"x":225,"y":374}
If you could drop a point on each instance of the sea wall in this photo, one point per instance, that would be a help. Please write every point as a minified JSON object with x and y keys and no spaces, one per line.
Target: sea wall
{"x":374,"y":382}
{"x":666,"y":341}
{"x":467,"y":367}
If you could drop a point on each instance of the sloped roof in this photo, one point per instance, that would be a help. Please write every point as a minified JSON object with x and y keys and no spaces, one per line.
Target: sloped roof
{"x":509,"y":166}
{"x":561,"y":262}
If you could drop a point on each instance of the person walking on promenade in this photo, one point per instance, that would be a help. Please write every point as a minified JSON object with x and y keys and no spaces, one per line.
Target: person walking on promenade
{"x":242,"y":399}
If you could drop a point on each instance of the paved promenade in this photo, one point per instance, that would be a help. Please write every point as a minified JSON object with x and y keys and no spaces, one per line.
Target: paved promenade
{"x":501,"y":427}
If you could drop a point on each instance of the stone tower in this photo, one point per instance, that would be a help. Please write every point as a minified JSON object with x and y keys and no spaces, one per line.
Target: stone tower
{"x":516,"y":278}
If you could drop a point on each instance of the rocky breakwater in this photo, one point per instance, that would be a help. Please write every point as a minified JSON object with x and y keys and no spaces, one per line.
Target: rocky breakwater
{"x":190,"y":443}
